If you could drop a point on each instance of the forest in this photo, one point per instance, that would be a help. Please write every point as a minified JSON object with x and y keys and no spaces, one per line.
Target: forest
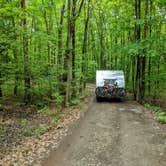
{"x":50,"y":49}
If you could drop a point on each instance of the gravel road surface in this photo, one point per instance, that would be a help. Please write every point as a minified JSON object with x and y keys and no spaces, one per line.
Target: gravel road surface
{"x":112,"y":134}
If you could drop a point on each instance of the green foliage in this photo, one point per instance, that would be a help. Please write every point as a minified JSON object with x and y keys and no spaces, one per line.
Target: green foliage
{"x":44,"y":110}
{"x":58,"y":98}
{"x":81,"y":106}
{"x":152,"y":107}
{"x":2,"y":133}
{"x":24,"y":122}
{"x":161,"y":118}
{"x":160,"y":115}
{"x":75,"y":101}
{"x":41,"y":129}
{"x":35,"y":130}
{"x":55,"y":122}
{"x":110,"y":43}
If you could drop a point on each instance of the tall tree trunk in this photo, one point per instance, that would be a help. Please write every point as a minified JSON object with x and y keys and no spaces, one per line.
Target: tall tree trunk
{"x":75,"y":15}
{"x":67,"y":55}
{"x":60,"y":34}
{"x":116,"y":58}
{"x":111,"y":53}
{"x":16,"y":73}
{"x":15,"y":52}
{"x":102,"y":56}
{"x":27,"y":81}
{"x":60,"y":45}
{"x":122,"y":58}
{"x":73,"y":31}
{"x":1,"y":52}
{"x":138,"y":77}
{"x":0,"y":84}
{"x":143,"y":81}
{"x":137,"y":38}
{"x":149,"y":75}
{"x":143,"y":59}
{"x":84,"y":49}
{"x":149,"y":61}
{"x":48,"y":33}
{"x":128,"y":69}
{"x":133,"y":77}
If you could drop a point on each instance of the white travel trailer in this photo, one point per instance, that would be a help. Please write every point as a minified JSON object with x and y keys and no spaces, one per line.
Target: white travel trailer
{"x":110,"y":84}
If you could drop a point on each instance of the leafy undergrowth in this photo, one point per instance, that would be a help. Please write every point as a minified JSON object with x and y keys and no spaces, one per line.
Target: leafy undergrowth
{"x":160,"y":112}
{"x":18,"y":124}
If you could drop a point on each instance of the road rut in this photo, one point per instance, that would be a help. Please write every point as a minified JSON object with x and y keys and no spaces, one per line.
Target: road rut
{"x":112,"y":134}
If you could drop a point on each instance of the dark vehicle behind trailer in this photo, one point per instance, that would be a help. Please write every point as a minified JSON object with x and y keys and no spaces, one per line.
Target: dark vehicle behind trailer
{"x":110,"y":84}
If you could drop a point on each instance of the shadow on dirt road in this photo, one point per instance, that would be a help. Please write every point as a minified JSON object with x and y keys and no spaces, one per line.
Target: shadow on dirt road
{"x":112,"y":134}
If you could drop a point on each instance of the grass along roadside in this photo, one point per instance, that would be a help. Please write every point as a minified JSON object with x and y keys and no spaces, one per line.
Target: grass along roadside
{"x":160,"y":113}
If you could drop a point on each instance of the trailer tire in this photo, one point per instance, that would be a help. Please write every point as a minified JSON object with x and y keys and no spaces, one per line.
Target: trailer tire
{"x":98,"y":99}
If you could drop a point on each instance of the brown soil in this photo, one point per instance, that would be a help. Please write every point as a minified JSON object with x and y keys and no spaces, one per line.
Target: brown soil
{"x":27,"y":136}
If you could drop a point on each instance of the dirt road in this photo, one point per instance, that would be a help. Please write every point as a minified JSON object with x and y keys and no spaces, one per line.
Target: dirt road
{"x":112,"y":134}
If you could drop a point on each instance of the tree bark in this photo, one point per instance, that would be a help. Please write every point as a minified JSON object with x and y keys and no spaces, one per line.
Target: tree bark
{"x":84,"y":49}
{"x":149,"y":61}
{"x":143,"y":59}
{"x":60,"y":28}
{"x":27,"y":81}
{"x":116,"y":58}
{"x":15,"y":52}
{"x":60,"y":46}
{"x":75,"y":15}
{"x":102,"y":53}
{"x":48,"y":33}
{"x":67,"y":63}
{"x":136,"y":59}
{"x":73,"y":31}
{"x":0,"y":84}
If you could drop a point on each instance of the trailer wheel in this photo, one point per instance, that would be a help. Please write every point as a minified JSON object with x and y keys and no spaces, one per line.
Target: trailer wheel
{"x":98,"y":99}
